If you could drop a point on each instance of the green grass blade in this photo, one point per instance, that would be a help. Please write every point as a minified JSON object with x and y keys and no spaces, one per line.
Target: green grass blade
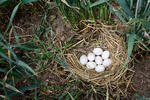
{"x":62,"y":96}
{"x":10,"y":87}
{"x":118,"y":13}
{"x":142,"y":98}
{"x":68,"y":45}
{"x":125,"y":7}
{"x":139,"y":39}
{"x":2,"y":2}
{"x":25,"y":47}
{"x":2,"y":39}
{"x":24,"y":89}
{"x":35,"y":94}
{"x":5,"y":57}
{"x":2,"y":51}
{"x":11,"y":51}
{"x":63,"y":63}
{"x":4,"y":70}
{"x":146,"y":14}
{"x":28,"y":1}
{"x":24,"y":65}
{"x":18,"y":62}
{"x":131,"y":39}
{"x":133,"y":20}
{"x":131,"y":3}
{"x":71,"y":96}
{"x":98,"y":2}
{"x":146,"y":24}
{"x":137,"y":8}
{"x":147,"y":5}
{"x":16,"y":35}
{"x":12,"y":16}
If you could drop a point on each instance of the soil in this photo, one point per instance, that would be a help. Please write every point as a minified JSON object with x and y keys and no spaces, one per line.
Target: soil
{"x":141,"y":79}
{"x":61,"y":28}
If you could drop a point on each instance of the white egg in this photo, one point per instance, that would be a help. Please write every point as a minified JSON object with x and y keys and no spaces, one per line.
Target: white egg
{"x":98,"y":60}
{"x":97,"y":51}
{"x":107,"y":62}
{"x":83,"y":59}
{"x":99,"y":68}
{"x":91,"y":56}
{"x":91,"y":65}
{"x":105,"y":54}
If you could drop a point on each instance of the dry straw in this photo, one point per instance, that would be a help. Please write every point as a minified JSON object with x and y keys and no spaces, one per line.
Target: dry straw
{"x":107,"y":38}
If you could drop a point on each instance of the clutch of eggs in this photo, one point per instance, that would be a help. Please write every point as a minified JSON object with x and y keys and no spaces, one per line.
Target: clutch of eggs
{"x":97,"y":59}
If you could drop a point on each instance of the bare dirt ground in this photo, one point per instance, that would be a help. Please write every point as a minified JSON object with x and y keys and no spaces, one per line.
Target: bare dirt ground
{"x":141,"y":79}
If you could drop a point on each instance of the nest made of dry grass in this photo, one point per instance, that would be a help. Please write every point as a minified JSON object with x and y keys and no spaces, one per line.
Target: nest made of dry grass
{"x":106,"y":38}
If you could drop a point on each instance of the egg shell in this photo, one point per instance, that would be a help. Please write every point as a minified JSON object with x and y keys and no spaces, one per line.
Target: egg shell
{"x":97,"y":51}
{"x":100,"y":68}
{"x":107,"y":62}
{"x":83,"y":59}
{"x":91,"y":56}
{"x":98,"y":60}
{"x":105,"y":54}
{"x":91,"y":65}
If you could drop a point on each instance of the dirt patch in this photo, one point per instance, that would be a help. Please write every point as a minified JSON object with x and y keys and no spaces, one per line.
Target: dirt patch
{"x":61,"y":28}
{"x":141,"y":79}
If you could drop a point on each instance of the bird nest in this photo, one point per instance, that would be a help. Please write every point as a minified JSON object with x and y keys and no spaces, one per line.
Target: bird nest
{"x":107,"y":39}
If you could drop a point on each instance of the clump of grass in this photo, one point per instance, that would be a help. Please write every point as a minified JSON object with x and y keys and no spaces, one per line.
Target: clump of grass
{"x":78,"y":10}
{"x":136,"y":15}
{"x":13,"y":68}
{"x":40,"y":52}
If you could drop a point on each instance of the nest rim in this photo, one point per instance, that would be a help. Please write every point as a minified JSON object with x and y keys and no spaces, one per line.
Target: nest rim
{"x":101,"y":79}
